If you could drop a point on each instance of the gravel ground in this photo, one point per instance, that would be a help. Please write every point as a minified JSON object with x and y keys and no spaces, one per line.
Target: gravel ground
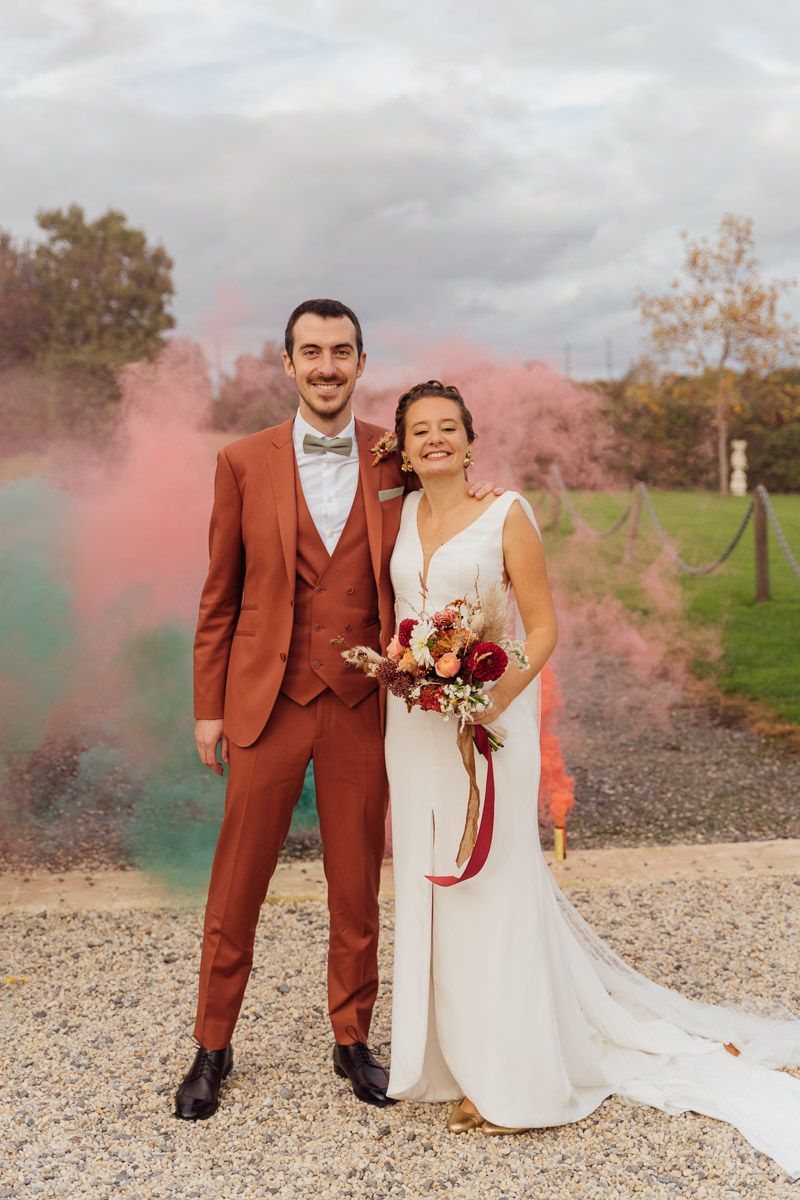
{"x":100,"y":1034}
{"x":652,"y":766}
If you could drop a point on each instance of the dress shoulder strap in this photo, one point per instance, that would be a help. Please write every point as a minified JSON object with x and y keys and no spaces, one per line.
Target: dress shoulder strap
{"x":411,"y":504}
{"x":504,"y":503}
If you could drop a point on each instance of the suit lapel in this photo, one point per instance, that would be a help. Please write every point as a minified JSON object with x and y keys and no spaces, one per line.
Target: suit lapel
{"x":370,"y":483}
{"x":281,"y":461}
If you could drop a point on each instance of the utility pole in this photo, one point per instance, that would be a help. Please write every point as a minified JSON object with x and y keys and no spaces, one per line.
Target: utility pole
{"x":217,"y":367}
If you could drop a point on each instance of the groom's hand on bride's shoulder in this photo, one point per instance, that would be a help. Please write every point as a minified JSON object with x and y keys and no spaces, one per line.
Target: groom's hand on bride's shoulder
{"x":207,"y":736}
{"x":479,"y":490}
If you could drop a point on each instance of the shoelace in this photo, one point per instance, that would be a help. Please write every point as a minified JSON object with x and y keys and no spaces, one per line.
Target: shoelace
{"x":363,"y":1055}
{"x":203,"y":1065}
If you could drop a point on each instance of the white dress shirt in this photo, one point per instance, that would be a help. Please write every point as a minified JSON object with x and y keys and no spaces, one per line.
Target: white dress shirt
{"x":329,"y":481}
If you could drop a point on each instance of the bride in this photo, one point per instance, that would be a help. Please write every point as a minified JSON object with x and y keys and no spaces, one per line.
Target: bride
{"x":505,"y":1000}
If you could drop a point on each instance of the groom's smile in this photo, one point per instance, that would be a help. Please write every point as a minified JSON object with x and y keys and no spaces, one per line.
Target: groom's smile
{"x":327,"y":388}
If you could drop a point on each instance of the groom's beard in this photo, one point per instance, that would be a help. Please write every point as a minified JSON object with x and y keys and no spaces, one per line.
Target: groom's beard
{"x":331,"y":410}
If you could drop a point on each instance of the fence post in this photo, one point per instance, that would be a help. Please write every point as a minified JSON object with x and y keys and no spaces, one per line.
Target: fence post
{"x":633,"y":532}
{"x":555,"y":508}
{"x":761,"y":546}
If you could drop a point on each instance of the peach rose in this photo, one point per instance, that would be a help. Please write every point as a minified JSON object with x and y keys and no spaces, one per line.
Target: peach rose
{"x":448,"y":665}
{"x":394,"y":650}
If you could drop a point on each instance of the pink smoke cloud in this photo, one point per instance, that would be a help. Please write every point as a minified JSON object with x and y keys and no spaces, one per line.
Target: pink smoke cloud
{"x":526,"y":415}
{"x":141,"y":513}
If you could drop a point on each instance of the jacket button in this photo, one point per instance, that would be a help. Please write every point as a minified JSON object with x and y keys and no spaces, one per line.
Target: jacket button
{"x":317,"y":625}
{"x":347,"y":628}
{"x":349,"y":591}
{"x":283,"y":657}
{"x":319,"y":588}
{"x":316,"y":664}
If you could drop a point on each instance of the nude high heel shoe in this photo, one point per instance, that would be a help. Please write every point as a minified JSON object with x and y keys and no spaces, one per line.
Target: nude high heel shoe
{"x":491,"y":1130}
{"x":461,"y":1121}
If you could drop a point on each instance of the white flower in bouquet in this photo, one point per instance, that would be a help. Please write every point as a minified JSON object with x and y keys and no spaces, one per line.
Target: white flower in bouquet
{"x":419,"y":643}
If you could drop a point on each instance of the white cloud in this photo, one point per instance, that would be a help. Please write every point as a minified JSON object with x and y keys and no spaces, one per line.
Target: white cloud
{"x":512,"y":174}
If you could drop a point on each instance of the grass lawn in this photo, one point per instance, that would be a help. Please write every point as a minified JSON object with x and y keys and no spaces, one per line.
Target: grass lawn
{"x":760,"y":643}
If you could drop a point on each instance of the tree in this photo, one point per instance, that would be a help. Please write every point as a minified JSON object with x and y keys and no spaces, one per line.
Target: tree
{"x":24,"y":323}
{"x":723,"y":316}
{"x":105,"y":289}
{"x":661,"y":433}
{"x":258,"y":393}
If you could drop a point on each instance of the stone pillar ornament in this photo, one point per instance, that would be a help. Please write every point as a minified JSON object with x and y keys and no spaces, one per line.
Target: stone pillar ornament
{"x":738,"y":467}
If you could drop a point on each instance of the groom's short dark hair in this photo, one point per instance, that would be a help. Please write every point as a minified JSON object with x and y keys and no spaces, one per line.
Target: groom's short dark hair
{"x":322,"y":308}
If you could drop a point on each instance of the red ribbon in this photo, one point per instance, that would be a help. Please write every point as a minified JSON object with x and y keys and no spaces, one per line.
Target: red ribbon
{"x":483,"y":842}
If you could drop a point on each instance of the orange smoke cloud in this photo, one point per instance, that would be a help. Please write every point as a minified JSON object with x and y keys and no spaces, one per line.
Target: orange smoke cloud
{"x":556,"y":787}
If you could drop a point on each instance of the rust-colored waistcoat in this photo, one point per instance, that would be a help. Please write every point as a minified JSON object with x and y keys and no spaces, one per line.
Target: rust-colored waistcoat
{"x":335,"y":596}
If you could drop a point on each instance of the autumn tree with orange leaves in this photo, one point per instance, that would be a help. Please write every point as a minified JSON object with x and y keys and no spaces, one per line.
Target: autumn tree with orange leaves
{"x":720,"y":317}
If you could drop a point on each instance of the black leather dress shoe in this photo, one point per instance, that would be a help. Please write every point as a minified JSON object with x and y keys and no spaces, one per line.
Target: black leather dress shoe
{"x":368,"y":1079}
{"x":198,"y":1096}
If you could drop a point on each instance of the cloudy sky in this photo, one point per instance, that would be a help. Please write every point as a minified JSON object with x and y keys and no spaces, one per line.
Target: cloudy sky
{"x":509,"y":174}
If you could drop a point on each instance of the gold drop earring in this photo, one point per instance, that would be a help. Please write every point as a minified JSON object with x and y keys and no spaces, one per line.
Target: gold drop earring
{"x":406,"y":464}
{"x":468,"y":458}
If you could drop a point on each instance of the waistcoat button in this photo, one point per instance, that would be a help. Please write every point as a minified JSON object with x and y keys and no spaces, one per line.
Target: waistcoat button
{"x":316,"y":664}
{"x":317,"y":625}
{"x":319,"y":588}
{"x":347,"y":628}
{"x":349,"y":591}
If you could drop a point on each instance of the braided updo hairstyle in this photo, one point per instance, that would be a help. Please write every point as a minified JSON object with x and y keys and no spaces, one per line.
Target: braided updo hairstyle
{"x":432,"y":388}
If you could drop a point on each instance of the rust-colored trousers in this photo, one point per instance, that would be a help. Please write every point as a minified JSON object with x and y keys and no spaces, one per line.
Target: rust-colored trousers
{"x":264,"y":783}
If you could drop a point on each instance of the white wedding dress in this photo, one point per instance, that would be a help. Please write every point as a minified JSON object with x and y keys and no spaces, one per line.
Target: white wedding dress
{"x":502,"y":992}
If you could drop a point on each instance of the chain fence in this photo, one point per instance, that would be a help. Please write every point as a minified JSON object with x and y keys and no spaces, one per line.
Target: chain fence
{"x":578,"y":519}
{"x":776,"y":529}
{"x":687,"y":568}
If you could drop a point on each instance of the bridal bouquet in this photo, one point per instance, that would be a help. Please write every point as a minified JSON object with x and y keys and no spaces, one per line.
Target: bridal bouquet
{"x":442,"y":664}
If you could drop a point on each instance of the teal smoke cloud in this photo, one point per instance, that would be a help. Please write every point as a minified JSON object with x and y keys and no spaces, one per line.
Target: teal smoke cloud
{"x":97,"y":757}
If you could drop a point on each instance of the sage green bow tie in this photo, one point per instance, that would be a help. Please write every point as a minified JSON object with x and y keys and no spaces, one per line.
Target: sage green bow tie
{"x":319,"y":445}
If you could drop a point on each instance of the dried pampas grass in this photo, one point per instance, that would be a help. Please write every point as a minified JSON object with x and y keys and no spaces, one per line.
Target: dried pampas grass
{"x":491,"y":618}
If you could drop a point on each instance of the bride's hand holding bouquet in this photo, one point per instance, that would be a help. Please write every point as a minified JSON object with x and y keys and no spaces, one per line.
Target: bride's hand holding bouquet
{"x":499,"y":701}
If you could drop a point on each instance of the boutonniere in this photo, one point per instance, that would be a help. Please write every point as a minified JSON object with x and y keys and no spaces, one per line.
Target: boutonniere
{"x":385,"y":446}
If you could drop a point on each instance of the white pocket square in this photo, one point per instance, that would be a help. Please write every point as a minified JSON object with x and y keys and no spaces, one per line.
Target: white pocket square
{"x":390,"y":493}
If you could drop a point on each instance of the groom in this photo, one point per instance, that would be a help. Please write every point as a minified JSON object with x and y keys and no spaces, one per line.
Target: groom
{"x":302,"y":530}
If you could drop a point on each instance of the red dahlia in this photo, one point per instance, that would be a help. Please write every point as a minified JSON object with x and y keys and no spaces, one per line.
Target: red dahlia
{"x":405,"y":631}
{"x":486,"y":661}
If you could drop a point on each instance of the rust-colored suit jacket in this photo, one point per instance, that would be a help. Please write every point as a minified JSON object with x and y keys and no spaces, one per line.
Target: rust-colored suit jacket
{"x":251,"y":576}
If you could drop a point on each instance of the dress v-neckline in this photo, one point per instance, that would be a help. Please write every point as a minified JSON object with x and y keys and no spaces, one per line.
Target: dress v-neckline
{"x":426,"y":566}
